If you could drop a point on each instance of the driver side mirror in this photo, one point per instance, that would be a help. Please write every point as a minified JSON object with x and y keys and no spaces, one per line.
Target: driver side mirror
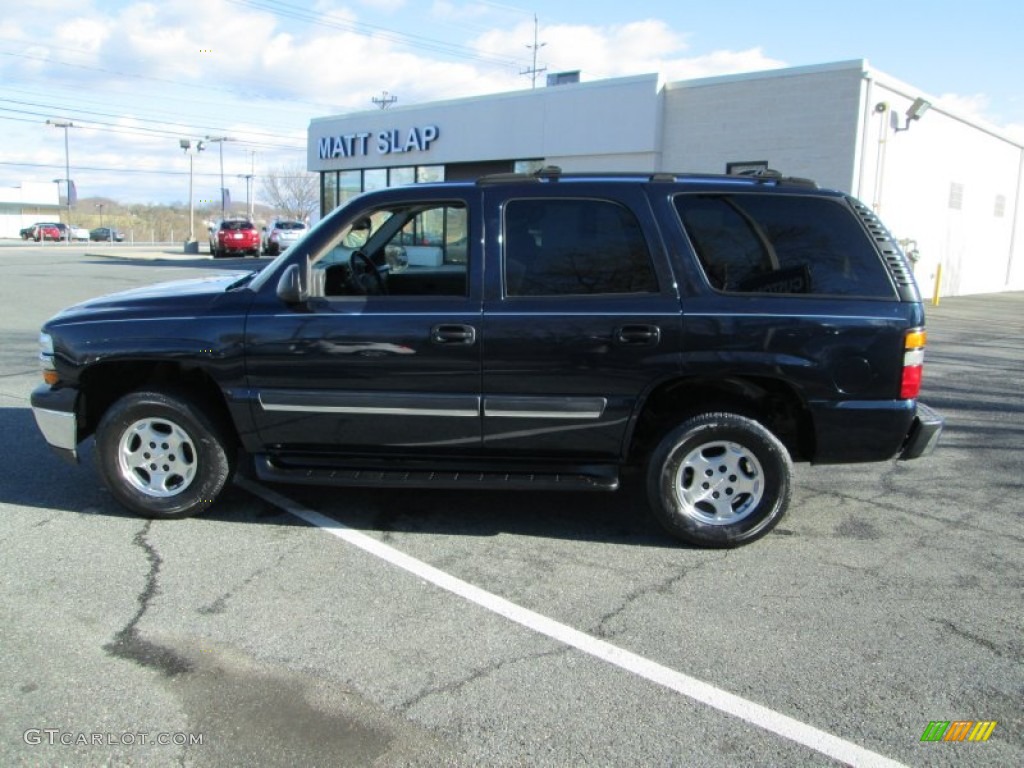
{"x":291,"y":288}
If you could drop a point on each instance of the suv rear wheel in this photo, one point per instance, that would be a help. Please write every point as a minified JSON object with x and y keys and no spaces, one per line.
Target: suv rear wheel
{"x":719,"y":480}
{"x":162,"y":455}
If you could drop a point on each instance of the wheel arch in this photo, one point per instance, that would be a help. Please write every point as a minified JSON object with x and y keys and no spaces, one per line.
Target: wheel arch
{"x":105,"y":383}
{"x":773,"y":402}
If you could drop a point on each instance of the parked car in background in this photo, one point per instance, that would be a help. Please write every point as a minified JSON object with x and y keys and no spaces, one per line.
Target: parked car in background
{"x":234,"y":236}
{"x":79,"y":233}
{"x":27,"y":233}
{"x":46,"y":230}
{"x":281,"y":233}
{"x":106,"y":235}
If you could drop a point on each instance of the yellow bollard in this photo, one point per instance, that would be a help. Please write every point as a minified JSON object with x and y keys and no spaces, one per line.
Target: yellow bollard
{"x":938,"y":282}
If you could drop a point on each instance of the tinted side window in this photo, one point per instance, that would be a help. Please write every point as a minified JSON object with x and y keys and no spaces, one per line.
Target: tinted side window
{"x":782,"y":244}
{"x":571,"y":247}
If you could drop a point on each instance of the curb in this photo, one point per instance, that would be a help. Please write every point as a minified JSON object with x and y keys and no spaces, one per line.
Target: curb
{"x":150,"y":255}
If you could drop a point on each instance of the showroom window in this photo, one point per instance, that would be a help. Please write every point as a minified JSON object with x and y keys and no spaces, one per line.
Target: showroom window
{"x":338,"y":187}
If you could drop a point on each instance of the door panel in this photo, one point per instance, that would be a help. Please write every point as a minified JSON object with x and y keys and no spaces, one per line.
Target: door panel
{"x":351,"y":376}
{"x":581,"y":318}
{"x":396,"y":370}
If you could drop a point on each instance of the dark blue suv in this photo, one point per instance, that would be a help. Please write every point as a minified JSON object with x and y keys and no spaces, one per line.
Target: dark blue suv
{"x":519,"y":332}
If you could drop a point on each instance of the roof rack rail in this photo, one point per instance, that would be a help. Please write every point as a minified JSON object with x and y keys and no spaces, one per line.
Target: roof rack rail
{"x":800,"y":181}
{"x":762,"y":173}
{"x":549,"y":172}
{"x":770,"y":174}
{"x":552,"y":173}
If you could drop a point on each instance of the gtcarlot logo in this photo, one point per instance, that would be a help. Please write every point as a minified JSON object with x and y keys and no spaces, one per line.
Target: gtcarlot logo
{"x":958,"y":730}
{"x":55,"y":736}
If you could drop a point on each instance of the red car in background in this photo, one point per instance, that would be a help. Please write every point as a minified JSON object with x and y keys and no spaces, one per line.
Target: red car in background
{"x":45,"y":231}
{"x":234,"y":236}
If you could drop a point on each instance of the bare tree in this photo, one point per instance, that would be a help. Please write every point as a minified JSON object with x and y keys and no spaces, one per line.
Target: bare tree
{"x":292,"y":190}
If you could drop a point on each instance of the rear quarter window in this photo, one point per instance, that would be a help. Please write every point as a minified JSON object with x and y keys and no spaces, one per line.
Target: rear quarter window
{"x":788,"y":244}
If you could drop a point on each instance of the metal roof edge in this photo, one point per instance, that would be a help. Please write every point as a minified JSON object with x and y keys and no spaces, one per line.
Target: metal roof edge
{"x":860,"y":65}
{"x":611,"y":82}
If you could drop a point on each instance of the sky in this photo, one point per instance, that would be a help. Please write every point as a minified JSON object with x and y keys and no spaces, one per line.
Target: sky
{"x":135,"y":77}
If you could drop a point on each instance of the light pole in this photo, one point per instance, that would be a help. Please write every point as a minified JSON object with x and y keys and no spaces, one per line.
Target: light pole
{"x":220,"y":141}
{"x":191,"y":246}
{"x":248,"y":196}
{"x":65,"y":124}
{"x":100,"y":206}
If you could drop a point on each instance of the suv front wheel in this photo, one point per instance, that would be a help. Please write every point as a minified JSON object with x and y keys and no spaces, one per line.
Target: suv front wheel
{"x":161,"y":455}
{"x":719,"y":480}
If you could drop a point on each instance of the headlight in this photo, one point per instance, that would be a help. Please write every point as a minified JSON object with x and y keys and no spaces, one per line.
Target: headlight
{"x":46,"y":359}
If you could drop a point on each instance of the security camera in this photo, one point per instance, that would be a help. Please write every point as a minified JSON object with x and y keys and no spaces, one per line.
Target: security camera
{"x":881,"y":106}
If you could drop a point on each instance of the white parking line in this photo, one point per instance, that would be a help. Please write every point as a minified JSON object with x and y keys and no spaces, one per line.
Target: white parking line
{"x":748,"y":711}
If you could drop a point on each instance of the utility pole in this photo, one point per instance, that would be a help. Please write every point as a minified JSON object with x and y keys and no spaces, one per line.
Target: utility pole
{"x":533,"y":71}
{"x":248,"y":196}
{"x":250,"y":184}
{"x":65,"y":124}
{"x":223,"y":192}
{"x":252,"y":173}
{"x":385,"y":101}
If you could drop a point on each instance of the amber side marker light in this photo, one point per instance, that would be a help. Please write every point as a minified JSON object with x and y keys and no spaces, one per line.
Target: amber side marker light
{"x":46,"y":359}
{"x":913,"y":363}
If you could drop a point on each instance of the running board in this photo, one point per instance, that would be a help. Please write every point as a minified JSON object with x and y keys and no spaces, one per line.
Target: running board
{"x":584,"y":479}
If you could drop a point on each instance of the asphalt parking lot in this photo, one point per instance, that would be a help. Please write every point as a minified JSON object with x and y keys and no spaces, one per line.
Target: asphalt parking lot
{"x":297,"y":626}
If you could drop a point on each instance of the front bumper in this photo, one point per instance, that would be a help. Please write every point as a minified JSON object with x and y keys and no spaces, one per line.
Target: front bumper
{"x":57,"y":418}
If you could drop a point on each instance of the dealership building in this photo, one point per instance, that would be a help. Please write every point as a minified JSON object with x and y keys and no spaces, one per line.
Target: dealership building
{"x":947,"y":186}
{"x":24,"y":205}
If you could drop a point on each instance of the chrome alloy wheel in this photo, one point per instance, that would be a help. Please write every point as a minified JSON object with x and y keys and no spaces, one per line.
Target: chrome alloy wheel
{"x":157,"y":457}
{"x":719,"y":483}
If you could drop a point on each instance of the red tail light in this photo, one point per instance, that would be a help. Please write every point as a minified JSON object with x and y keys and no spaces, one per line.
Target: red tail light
{"x":913,"y":363}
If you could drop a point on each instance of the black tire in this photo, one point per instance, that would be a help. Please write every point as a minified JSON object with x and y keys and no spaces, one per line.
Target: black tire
{"x":184,"y":468}
{"x":719,"y":480}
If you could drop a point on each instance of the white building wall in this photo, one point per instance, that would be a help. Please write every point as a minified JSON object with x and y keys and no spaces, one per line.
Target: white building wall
{"x":25,"y":205}
{"x":801,"y":121}
{"x":953,"y":187}
{"x":821,"y":122}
